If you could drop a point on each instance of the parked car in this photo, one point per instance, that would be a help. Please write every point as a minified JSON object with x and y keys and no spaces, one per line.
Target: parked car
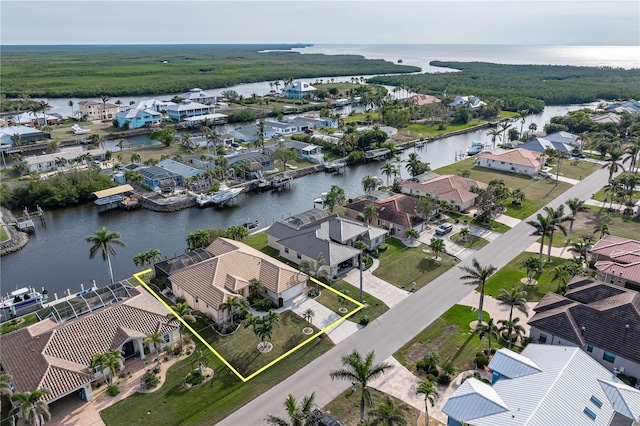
{"x":544,"y":174}
{"x":308,"y":131}
{"x":443,"y":229}
{"x":577,"y":155}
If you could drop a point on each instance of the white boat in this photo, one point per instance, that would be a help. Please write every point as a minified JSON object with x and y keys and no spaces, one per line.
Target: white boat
{"x":22,"y":297}
{"x":77,"y":130}
{"x":476,"y":148}
{"x":218,"y":198}
{"x":320,"y":199}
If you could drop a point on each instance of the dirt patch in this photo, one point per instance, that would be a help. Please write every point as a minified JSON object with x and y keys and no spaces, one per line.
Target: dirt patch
{"x":417,"y":350}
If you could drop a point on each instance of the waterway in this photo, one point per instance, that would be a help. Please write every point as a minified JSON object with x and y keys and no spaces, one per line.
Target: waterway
{"x":57,"y":256}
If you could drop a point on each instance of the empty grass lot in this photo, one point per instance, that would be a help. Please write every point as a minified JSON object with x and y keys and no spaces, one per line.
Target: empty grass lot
{"x":471,"y":242}
{"x":451,"y":337}
{"x":374,"y":308}
{"x":572,"y":170}
{"x":4,"y":235}
{"x":401,"y":265}
{"x":208,"y":403}
{"x":538,"y":192}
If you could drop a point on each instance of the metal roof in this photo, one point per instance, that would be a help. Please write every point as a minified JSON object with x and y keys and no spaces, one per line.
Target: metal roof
{"x":113,"y":191}
{"x":474,"y":399}
{"x":513,"y":365}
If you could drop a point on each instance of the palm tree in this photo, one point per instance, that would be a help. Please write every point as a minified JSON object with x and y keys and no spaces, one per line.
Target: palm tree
{"x":504,"y":126}
{"x":515,"y":297}
{"x":104,"y":98}
{"x":299,"y":415}
{"x":515,"y":331}
{"x":531,"y":265}
{"x":430,"y":393}
{"x":135,"y":158}
{"x":360,"y":370}
{"x":114,"y":359}
{"x":389,"y":170}
{"x":414,"y":165}
{"x":181,"y":310}
{"x":518,"y":196}
{"x":70,"y":103}
{"x":495,"y":134}
{"x":256,"y":288}
{"x":431,"y":360}
{"x":634,"y":155}
{"x":488,"y":329}
{"x":389,"y":413}
{"x":464,"y":234}
{"x":34,"y":410}
{"x":99,"y":363}
{"x":370,"y":213}
{"x":230,"y":307}
{"x":602,"y":229}
{"x":614,"y":164}
{"x":43,"y":106}
{"x":103,"y":241}
{"x":556,"y":217}
{"x":562,"y":274}
{"x":477,"y":275}
{"x":369,"y":183}
{"x":575,"y":205}
{"x":523,"y":116}
{"x":315,"y":269}
{"x":581,"y":247}
{"x":308,"y":315}
{"x":155,"y":339}
{"x":541,"y":225}
{"x":437,"y":246}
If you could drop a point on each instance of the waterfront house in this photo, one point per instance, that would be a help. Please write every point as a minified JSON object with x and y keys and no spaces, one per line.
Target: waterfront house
{"x":617,"y":261}
{"x":452,"y":188}
{"x":544,"y":385}
{"x":208,"y":283}
{"x":214,"y":119}
{"x":154,"y":104}
{"x":602,"y":319}
{"x":563,"y":137}
{"x":519,"y":161}
{"x":540,"y":144}
{"x":184,"y":170}
{"x":187,"y":108}
{"x":249,"y":133}
{"x":287,"y":127}
{"x":27,"y":134}
{"x":57,"y":355}
{"x":199,"y":96}
{"x":93,"y":110}
{"x":136,"y":118}
{"x":421,"y":100}
{"x":158,"y":177}
{"x":631,"y":106}
{"x":396,"y":212}
{"x":305,"y":151}
{"x":253,"y":163}
{"x":50,"y":162}
{"x":30,"y":119}
{"x":298,"y":90}
{"x":470,"y":102}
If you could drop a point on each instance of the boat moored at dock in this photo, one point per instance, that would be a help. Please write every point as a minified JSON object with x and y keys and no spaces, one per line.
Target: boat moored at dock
{"x":219,"y":198}
{"x":476,"y":148}
{"x":22,"y":297}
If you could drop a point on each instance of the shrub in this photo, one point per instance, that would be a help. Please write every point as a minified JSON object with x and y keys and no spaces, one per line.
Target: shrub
{"x":263,"y":305}
{"x":113,"y":390}
{"x":177,"y":350}
{"x":146,"y":351}
{"x":230,"y":329}
{"x":194,"y":378}
{"x":156,"y":370}
{"x":421,"y":365}
{"x":364,"y":320}
{"x":166,"y":358}
{"x":431,"y":377}
{"x":444,"y":379}
{"x":481,"y":361}
{"x":383,"y":247}
{"x":149,"y":380}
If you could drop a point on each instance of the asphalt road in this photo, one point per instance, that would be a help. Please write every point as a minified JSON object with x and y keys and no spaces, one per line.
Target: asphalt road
{"x":397,"y":326}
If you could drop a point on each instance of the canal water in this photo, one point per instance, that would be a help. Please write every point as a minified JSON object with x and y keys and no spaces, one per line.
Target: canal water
{"x":57,"y":256}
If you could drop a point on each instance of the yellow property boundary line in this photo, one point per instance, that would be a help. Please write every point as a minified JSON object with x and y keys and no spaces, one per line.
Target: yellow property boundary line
{"x":359,"y":306}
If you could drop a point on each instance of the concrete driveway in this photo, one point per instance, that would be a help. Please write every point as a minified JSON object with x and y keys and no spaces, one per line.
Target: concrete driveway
{"x":380,"y":289}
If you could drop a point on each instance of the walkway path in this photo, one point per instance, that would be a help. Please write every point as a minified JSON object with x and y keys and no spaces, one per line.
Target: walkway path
{"x":563,"y":252}
{"x":496,"y":310}
{"x":396,"y":327}
{"x":380,"y":289}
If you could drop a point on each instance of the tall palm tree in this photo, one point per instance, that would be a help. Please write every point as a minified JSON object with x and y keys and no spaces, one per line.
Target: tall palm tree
{"x":634,"y":155}
{"x":299,"y":415}
{"x":614,"y":164}
{"x":504,"y":126}
{"x":515,"y":297}
{"x":531,"y":265}
{"x":541,"y":228}
{"x":430,"y":393}
{"x":155,"y":339}
{"x":370,"y":213}
{"x":369,"y":183}
{"x":103,"y":241}
{"x":181,"y":310}
{"x":70,"y":103}
{"x":43,"y":106}
{"x":389,"y":413}
{"x":488,"y":329}
{"x":34,"y":410}
{"x":114,"y":359}
{"x":5,"y":388}
{"x":495,"y":134}
{"x":523,"y":116}
{"x":104,"y":98}
{"x":230,"y":307}
{"x":575,"y":205}
{"x":388,"y":170}
{"x":360,"y":370}
{"x":561,"y":274}
{"x":556,"y":219}
{"x":477,"y":275}
{"x":414,"y":164}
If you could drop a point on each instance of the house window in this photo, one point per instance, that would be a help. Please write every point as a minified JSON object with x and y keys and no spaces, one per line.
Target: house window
{"x":596,"y":401}
{"x":542,"y":338}
{"x":589,"y":348}
{"x":589,"y":413}
{"x":608,"y":356}
{"x":286,"y":249}
{"x":166,"y":338}
{"x":299,"y":256}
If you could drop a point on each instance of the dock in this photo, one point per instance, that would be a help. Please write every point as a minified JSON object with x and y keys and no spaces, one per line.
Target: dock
{"x":27,"y":223}
{"x":377,"y":154}
{"x":335,"y":166}
{"x":117,"y":196}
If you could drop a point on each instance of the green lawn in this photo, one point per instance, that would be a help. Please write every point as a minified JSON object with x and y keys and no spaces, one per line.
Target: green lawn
{"x":374,"y":308}
{"x":346,"y":407}
{"x":622,"y":226}
{"x":211,"y":402}
{"x":450,"y":336}
{"x":18,"y":323}
{"x":4,"y":235}
{"x":401,"y":265}
{"x":471,"y":242}
{"x":575,"y":169}
{"x":600,"y":196}
{"x":511,"y":274}
{"x":538,"y":192}
{"x":495,"y":226}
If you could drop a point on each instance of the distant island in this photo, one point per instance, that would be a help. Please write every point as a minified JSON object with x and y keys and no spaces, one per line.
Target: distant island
{"x":130,"y":70}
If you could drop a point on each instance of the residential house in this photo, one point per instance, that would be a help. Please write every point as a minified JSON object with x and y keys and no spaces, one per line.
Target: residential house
{"x":249,"y":133}
{"x":182,"y":169}
{"x":421,"y":100}
{"x":187,"y":108}
{"x":471,"y":102}
{"x":158,"y":177}
{"x":617,"y":261}
{"x":27,"y":134}
{"x":318,"y":120}
{"x":253,"y":163}
{"x":452,"y":188}
{"x":607,"y":118}
{"x":631,"y":106}
{"x":540,"y":144}
{"x":396,"y":212}
{"x":207,"y":284}
{"x":520,"y":161}
{"x":298,"y":90}
{"x":305,"y":151}
{"x":602,"y":319}
{"x":57,"y":355}
{"x":154,"y":104}
{"x":93,"y":110}
{"x":213,"y":118}
{"x":167,"y":267}
{"x":563,"y":137}
{"x":30,"y":119}
{"x":288,"y":127}
{"x":200,"y":96}
{"x":136,"y":118}
{"x":50,"y":162}
{"x":544,"y":385}
{"x":316,"y":232}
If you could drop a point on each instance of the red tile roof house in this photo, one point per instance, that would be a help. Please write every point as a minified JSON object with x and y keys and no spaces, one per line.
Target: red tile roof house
{"x":520,"y":161}
{"x":57,"y":357}
{"x":206,"y":284}
{"x":452,"y":188}
{"x":603,"y":319}
{"x":395,"y":213}
{"x":617,"y":261}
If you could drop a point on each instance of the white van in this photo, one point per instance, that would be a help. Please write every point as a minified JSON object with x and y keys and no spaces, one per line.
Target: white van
{"x":443,"y":229}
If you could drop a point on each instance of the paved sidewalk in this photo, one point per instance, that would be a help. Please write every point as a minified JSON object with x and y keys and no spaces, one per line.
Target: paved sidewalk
{"x":380,"y":289}
{"x":563,"y":252}
{"x":507,"y":220}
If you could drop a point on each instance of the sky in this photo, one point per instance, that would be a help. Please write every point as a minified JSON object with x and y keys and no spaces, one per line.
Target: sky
{"x":527,"y":22}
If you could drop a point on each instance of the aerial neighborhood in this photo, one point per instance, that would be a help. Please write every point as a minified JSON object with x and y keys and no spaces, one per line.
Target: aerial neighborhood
{"x":374,"y":281}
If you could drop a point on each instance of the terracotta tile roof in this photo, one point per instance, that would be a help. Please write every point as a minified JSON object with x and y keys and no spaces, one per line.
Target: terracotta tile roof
{"x":626,"y":271}
{"x":611,"y":319}
{"x":518,"y":156}
{"x":233,"y":266}
{"x":420,"y":100}
{"x":399,"y":209}
{"x":453,"y":188}
{"x":618,"y":249}
{"x":57,"y":357}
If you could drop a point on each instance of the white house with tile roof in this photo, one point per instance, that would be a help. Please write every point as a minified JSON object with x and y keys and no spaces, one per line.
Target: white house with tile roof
{"x":519,"y":161}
